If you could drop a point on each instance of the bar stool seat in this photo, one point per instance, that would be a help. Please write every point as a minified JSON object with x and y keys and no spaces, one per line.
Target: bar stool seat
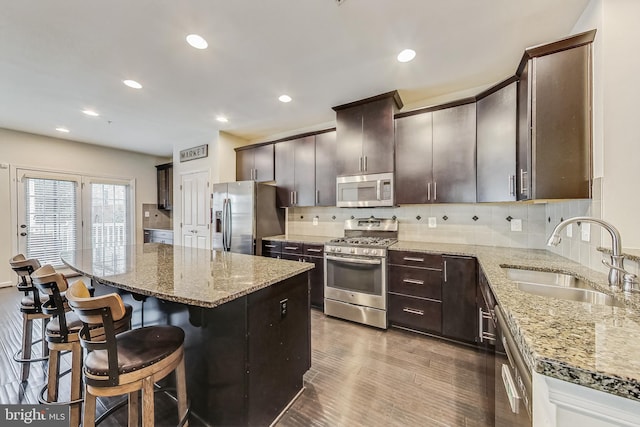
{"x":127,"y":362}
{"x":31,"y":309}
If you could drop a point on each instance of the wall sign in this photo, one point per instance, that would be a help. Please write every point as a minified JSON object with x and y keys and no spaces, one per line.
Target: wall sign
{"x":194,"y":153}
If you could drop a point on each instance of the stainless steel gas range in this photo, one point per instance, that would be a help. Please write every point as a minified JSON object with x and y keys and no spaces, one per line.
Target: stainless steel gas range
{"x":355,"y":271}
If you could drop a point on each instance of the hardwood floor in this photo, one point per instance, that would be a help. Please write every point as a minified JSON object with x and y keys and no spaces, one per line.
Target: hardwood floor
{"x":360,"y":376}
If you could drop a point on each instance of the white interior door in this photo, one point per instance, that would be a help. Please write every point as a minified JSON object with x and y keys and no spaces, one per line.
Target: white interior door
{"x":49,"y":218}
{"x":195,"y":210}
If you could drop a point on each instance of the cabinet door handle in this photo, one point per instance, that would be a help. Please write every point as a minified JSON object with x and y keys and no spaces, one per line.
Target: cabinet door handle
{"x":413,"y":281}
{"x":291,"y":198}
{"x":435,"y":191}
{"x":291,"y":248}
{"x":429,"y":191}
{"x":445,"y":271}
{"x":360,"y":164}
{"x":413,"y":311}
{"x":408,"y":258}
{"x":295,"y":197}
{"x":523,"y":185}
{"x":269,"y":246}
{"x":315,"y":250}
{"x":512,"y":186}
{"x":317,"y":197}
{"x":365,"y":163}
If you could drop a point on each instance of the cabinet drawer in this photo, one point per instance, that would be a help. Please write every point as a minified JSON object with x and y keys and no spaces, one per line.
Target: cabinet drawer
{"x":313,"y":249}
{"x":415,"y":313}
{"x":271,"y":246}
{"x":416,"y":259}
{"x":292,"y":248}
{"x":416,"y":282}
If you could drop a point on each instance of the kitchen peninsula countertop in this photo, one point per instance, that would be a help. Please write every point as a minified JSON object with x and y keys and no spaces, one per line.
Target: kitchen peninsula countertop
{"x":591,"y":345}
{"x":198,"y":277}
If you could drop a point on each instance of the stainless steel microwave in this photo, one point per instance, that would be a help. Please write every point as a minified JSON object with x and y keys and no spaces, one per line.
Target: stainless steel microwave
{"x":361,"y":191}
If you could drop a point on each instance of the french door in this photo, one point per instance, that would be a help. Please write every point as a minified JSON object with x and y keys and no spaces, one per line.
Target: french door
{"x":63,"y":212}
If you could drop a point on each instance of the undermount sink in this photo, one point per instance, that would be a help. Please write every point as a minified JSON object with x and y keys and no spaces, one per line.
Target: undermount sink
{"x":559,"y":285}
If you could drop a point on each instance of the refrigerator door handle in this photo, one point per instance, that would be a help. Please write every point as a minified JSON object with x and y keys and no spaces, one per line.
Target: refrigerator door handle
{"x":224,"y":224}
{"x":229,"y":225}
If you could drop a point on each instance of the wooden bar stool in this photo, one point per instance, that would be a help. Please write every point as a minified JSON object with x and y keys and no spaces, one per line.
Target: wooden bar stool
{"x":127,"y":362}
{"x":31,"y":308}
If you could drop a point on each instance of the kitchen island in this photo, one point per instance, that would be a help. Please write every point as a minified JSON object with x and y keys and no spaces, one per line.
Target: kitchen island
{"x":246,"y":321}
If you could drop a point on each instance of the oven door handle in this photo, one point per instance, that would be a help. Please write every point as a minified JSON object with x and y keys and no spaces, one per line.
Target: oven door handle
{"x":355,"y":260}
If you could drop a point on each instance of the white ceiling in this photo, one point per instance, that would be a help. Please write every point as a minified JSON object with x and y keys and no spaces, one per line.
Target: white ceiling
{"x":60,"y":57}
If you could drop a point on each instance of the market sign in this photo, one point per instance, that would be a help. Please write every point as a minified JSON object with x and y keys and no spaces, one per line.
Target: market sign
{"x":194,"y":153}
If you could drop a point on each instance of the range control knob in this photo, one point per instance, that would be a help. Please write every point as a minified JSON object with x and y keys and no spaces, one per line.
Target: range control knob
{"x":352,"y":250}
{"x":374,"y":252}
{"x":365,"y":251}
{"x":338,"y":249}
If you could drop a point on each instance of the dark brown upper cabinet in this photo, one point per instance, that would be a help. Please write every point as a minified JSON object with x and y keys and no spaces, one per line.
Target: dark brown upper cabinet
{"x":496,"y":112}
{"x":164,"y":175}
{"x":554,"y":120}
{"x":255,"y":163}
{"x":326,"y":156}
{"x":365,"y":135}
{"x":436,"y":155}
{"x":295,"y":172}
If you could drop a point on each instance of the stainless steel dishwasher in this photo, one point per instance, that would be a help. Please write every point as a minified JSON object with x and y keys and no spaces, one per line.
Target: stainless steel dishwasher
{"x":513,"y":389}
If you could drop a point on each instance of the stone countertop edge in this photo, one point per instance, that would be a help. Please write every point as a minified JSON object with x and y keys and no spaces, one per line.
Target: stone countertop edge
{"x":590,"y":345}
{"x":157,"y":229}
{"x":232,"y":286}
{"x":630,"y":254}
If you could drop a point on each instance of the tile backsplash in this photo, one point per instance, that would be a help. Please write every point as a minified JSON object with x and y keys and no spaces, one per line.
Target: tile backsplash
{"x":158,"y":218}
{"x":478,"y":224}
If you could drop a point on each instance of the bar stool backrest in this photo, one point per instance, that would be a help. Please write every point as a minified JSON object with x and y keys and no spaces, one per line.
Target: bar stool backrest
{"x":98,"y":313}
{"x":24,"y":267}
{"x":52,"y":283}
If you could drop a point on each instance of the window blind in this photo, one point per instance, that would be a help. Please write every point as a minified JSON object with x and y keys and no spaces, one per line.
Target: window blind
{"x":51,"y":218}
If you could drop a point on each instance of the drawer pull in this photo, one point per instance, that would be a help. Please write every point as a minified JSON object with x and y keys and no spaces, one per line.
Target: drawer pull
{"x":413,"y":281}
{"x":269,"y":246}
{"x":408,"y":258}
{"x":291,"y":248}
{"x":413,"y":311}
{"x":315,"y":250}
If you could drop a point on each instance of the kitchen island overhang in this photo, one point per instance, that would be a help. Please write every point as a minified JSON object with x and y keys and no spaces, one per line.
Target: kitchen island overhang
{"x":246,"y":319}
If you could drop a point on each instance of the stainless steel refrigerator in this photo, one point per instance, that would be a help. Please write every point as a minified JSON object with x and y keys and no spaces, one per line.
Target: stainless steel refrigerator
{"x":243,"y":213}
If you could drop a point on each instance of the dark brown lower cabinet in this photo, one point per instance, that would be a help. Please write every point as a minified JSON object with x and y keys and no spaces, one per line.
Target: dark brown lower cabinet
{"x":459,"y":316}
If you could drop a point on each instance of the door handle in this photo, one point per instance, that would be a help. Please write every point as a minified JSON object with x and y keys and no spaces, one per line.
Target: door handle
{"x":365,"y":163}
{"x":429,"y":191}
{"x":435,"y":191}
{"x":23,"y":234}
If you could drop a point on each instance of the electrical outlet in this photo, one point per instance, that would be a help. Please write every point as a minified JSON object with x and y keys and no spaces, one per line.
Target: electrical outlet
{"x":146,"y":214}
{"x":516,"y":225}
{"x":585,"y":231}
{"x":432,"y":222}
{"x":284,"y":306}
{"x":315,"y":220}
{"x":570,"y":230}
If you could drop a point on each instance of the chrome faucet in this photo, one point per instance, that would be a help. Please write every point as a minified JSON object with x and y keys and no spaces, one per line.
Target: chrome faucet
{"x":616,"y":267}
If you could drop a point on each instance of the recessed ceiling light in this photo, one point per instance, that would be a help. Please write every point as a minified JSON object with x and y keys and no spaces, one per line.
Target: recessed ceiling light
{"x":222,"y":119}
{"x":132,"y":83}
{"x":63,"y":130}
{"x":284,"y":98}
{"x":90,"y":113}
{"x":406,"y":55}
{"x":197,"y":41}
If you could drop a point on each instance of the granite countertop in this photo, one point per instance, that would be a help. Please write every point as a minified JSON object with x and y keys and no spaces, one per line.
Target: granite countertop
{"x":191,"y":276}
{"x":298,"y":238}
{"x":591,"y":345}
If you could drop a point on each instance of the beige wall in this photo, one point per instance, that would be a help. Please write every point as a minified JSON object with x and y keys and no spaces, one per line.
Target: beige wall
{"x":24,"y":150}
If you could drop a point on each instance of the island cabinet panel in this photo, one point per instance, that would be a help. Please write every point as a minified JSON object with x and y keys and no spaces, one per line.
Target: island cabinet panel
{"x":279,"y":352}
{"x":415,"y":286}
{"x":414,"y":135}
{"x":255,"y":164}
{"x":326,"y":157}
{"x":459,"y":298}
{"x":295,"y":172}
{"x":496,"y":143}
{"x":554,"y":125}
